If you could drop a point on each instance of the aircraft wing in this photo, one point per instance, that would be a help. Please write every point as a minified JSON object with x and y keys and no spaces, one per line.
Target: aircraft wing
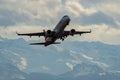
{"x":32,"y":34}
{"x":82,"y":32}
{"x":67,"y":33}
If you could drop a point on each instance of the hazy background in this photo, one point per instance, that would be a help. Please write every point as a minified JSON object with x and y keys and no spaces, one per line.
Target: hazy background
{"x":94,"y":56}
{"x":102,"y":16}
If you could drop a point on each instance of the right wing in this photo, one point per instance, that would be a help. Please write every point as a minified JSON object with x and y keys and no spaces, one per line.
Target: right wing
{"x":32,"y":34}
{"x":67,"y":33}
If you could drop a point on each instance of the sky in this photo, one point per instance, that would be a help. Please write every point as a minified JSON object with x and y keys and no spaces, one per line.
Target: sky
{"x":101,"y":16}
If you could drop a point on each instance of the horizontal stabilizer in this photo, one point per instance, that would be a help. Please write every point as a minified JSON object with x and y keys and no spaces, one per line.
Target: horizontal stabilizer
{"x":43,"y":43}
{"x":37,"y":43}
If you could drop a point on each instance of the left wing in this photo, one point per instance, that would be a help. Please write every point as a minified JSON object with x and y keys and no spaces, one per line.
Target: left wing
{"x":32,"y":34}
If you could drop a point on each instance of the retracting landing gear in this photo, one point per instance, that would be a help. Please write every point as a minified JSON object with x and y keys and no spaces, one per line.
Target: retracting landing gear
{"x":62,"y":38}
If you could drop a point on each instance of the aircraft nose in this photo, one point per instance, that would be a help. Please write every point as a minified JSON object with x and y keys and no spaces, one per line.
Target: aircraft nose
{"x":66,"y":17}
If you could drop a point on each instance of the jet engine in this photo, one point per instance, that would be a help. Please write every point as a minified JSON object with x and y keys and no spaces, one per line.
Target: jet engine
{"x":72,"y":32}
{"x":48,"y":33}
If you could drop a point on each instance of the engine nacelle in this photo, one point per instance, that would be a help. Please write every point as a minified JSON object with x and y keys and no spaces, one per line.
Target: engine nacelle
{"x":72,"y":32}
{"x":49,"y":31}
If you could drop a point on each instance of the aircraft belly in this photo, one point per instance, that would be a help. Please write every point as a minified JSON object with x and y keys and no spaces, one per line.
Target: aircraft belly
{"x":49,"y":39}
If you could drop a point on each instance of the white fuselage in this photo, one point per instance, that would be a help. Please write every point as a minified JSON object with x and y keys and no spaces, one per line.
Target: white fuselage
{"x":61,"y":25}
{"x":58,"y":29}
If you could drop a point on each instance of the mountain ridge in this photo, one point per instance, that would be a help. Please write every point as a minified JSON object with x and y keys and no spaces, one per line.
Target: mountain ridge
{"x":62,"y":60}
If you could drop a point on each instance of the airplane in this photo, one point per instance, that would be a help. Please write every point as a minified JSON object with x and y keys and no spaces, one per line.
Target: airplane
{"x":57,"y":33}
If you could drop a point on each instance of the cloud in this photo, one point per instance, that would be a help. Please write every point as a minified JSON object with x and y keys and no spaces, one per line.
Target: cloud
{"x":10,"y":32}
{"x":97,"y":18}
{"x":106,"y":11}
{"x":102,"y":33}
{"x":110,"y":8}
{"x":33,"y":12}
{"x":37,"y":12}
{"x":77,"y":9}
{"x":24,"y":15}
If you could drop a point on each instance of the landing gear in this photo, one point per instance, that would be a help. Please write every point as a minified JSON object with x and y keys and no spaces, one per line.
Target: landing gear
{"x":62,"y":38}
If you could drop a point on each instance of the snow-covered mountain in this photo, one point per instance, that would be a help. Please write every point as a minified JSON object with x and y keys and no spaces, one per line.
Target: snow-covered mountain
{"x":10,"y":72}
{"x":80,"y":72}
{"x":69,"y":59}
{"x":89,"y":72}
{"x":10,"y":64}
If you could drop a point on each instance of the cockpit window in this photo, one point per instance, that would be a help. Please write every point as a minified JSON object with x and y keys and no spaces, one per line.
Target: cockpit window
{"x":65,"y":16}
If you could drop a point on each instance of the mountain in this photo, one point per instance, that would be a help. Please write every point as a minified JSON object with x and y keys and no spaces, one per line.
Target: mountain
{"x":104,"y":55}
{"x":10,"y":64}
{"x":39,"y":58}
{"x":69,"y":60}
{"x":41,"y":76}
{"x":89,"y":72}
{"x":84,"y":69}
{"x":80,"y":72}
{"x":10,"y":72}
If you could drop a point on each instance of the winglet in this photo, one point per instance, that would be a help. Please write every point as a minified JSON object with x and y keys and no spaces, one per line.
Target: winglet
{"x":17,"y":33}
{"x":90,"y":31}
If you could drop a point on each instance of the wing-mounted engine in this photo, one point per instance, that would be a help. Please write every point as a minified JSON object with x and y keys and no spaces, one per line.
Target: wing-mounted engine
{"x":48,"y":33}
{"x":72,"y":32}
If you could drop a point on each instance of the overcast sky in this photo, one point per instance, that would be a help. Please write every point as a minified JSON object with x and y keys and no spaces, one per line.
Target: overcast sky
{"x":102,"y":16}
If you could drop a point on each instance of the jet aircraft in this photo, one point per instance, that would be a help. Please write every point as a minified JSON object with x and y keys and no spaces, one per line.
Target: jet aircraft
{"x":57,"y":33}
